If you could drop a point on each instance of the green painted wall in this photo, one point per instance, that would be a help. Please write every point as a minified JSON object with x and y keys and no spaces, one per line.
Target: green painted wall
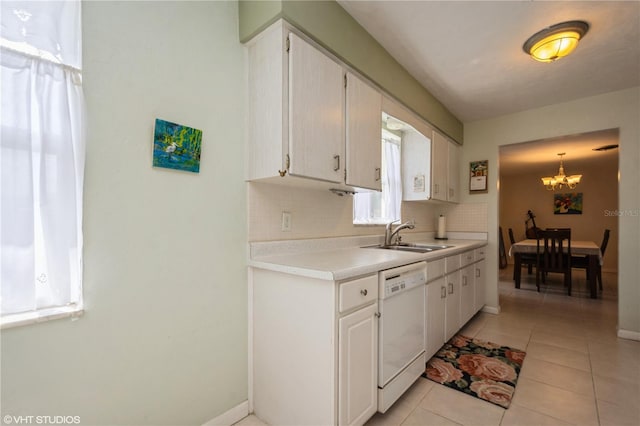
{"x":331,"y":26}
{"x":255,"y":16}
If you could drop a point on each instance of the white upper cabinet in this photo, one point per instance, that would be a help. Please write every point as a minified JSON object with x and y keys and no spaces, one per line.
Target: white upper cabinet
{"x":268,"y":76}
{"x":439,"y":167}
{"x":310,"y":116}
{"x":302,"y":120}
{"x":364,"y":152}
{"x":316,"y":113}
{"x":416,"y":165}
{"x":453,"y":173}
{"x":445,"y":166}
{"x":430,"y":161}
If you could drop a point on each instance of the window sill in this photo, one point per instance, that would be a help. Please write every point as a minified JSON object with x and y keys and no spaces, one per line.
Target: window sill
{"x":43,"y":315}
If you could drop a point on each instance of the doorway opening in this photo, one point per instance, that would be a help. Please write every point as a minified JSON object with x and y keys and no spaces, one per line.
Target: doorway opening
{"x":525,"y":202}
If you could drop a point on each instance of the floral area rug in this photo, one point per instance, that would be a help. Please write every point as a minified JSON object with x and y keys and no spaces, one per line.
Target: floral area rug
{"x":478,"y":368}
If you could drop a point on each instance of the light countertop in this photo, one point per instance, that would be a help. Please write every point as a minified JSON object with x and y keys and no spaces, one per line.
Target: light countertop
{"x":341,"y":261}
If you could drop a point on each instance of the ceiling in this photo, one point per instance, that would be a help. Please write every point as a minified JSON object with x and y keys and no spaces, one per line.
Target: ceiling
{"x":542,"y":156}
{"x":469,"y":55}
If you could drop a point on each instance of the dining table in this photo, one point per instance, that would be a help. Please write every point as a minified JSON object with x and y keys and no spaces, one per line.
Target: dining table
{"x":578,"y":248}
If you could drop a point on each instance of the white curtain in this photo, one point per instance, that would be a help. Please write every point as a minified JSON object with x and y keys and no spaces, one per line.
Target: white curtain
{"x":382,"y":207}
{"x":392,"y":180}
{"x":42,"y":151}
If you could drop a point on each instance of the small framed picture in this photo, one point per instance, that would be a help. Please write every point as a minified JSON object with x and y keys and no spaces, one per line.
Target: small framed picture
{"x":569,"y":203}
{"x":176,"y":146}
{"x":478,"y":173}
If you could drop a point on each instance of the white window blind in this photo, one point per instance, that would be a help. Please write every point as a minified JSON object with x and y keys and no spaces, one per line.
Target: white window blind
{"x":42,"y":154}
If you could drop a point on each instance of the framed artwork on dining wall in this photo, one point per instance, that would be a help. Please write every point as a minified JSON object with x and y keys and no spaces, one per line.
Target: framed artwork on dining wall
{"x":568,"y":203}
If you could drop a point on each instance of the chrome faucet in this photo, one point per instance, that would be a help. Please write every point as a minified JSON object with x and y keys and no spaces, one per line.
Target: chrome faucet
{"x":388,"y":234}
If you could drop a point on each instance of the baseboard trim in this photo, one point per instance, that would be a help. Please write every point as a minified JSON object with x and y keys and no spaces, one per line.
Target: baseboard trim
{"x":491,"y":309}
{"x":627,"y":334}
{"x":230,"y":417}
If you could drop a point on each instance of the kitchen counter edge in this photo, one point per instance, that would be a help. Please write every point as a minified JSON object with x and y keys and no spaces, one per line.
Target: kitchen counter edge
{"x":352,"y":262}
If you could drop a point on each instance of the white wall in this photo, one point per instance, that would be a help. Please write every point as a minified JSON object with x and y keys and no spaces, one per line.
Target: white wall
{"x":612,"y":110}
{"x":164,"y":336}
{"x":317,"y":213}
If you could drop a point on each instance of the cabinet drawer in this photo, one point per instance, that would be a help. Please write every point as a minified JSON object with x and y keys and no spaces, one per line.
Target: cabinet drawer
{"x":467,"y":258}
{"x":479,"y":253}
{"x":452,"y":263}
{"x":435,"y":269}
{"x":358,"y":292}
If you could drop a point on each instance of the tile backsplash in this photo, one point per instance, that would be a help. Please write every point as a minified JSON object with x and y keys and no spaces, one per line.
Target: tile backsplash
{"x":317,"y":213}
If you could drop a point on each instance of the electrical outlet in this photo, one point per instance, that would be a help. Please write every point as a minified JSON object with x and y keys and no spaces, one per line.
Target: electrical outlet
{"x":286,"y":221}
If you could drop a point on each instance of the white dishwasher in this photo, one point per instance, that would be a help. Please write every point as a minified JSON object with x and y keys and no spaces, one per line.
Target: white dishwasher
{"x":401,"y":356}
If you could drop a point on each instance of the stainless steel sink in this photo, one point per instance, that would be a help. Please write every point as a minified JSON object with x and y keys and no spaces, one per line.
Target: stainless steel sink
{"x":413,"y":247}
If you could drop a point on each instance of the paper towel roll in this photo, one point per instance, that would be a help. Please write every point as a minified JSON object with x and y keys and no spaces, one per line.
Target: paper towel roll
{"x":442,"y":228}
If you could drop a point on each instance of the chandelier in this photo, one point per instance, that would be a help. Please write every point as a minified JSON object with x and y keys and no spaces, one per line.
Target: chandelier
{"x":558,"y":181}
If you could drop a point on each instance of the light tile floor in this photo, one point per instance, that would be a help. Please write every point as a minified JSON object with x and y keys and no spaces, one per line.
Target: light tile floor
{"x":576,"y":372}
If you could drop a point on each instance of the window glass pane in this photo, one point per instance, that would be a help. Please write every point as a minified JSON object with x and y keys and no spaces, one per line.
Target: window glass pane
{"x":42,"y":147}
{"x":47,"y":26}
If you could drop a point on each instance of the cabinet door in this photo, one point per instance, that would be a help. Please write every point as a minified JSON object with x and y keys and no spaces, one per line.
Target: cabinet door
{"x":480,"y":282}
{"x":363,"y":145}
{"x":416,"y":165}
{"x":453,"y":173}
{"x":358,"y":366}
{"x":435,"y":303}
{"x":452,"y":314}
{"x":316,"y":113}
{"x":439,"y":167}
{"x":467,"y":294}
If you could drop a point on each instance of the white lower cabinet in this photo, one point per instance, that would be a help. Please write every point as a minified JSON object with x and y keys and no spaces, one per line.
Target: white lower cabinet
{"x":358,"y":364}
{"x":467,"y":293}
{"x":452,"y":311}
{"x":435,"y":313}
{"x":314,"y":349}
{"x":480,"y":278}
{"x":455,"y":293}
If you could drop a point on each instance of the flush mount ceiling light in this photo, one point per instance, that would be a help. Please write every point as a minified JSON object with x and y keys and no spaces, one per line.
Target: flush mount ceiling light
{"x":556,"y":41}
{"x":558,"y":181}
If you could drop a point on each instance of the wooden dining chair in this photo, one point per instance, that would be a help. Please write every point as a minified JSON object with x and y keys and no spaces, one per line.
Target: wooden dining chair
{"x":528,"y":260}
{"x":582,"y":262}
{"x":553,"y":255}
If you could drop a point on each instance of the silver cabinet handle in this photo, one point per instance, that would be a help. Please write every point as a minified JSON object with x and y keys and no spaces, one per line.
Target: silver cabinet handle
{"x":337,"y":163}
{"x":477,"y":272}
{"x":377,"y":175}
{"x":464,"y":280}
{"x":450,"y":288}
{"x":443,"y":292}
{"x":364,"y":292}
{"x":436,"y":188}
